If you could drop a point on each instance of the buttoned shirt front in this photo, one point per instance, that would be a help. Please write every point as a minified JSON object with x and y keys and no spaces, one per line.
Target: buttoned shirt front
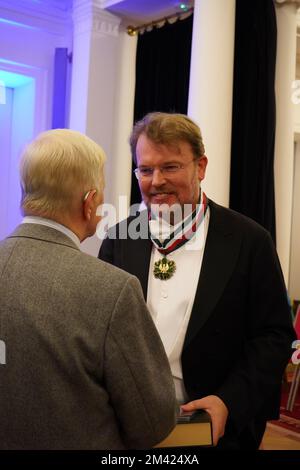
{"x":171,"y":301}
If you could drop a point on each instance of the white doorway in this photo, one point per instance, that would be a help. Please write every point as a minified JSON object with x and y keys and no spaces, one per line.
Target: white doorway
{"x":17,"y":123}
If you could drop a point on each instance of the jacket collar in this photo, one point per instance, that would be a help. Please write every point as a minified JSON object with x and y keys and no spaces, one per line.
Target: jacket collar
{"x":43,"y":233}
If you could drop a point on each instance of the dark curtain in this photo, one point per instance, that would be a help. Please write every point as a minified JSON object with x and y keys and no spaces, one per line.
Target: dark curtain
{"x":253,"y":120}
{"x":162,"y":74}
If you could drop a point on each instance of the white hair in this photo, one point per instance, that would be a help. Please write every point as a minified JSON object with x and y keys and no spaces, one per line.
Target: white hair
{"x":57,"y":169}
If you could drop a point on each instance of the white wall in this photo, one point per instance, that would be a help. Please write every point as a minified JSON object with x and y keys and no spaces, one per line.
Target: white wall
{"x":22,"y":129}
{"x":33,"y":49}
{"x":211,"y":88}
{"x":5,"y":132}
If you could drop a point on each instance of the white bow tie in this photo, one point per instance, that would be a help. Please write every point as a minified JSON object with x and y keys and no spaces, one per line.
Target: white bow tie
{"x":160,"y":229}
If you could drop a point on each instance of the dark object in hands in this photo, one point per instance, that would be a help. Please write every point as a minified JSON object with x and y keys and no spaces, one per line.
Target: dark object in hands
{"x":193,"y":428}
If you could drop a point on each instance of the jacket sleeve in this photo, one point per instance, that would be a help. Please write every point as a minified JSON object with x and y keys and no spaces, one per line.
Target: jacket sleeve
{"x":137,"y":372}
{"x":256,"y":378}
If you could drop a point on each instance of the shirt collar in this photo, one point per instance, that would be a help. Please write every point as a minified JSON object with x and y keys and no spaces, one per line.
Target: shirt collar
{"x":52,"y":224}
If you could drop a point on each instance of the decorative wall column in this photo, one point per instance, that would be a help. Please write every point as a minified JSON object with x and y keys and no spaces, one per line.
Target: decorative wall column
{"x":123,"y":118}
{"x":94,"y":73}
{"x":102,"y":95}
{"x":294,"y":271}
{"x":286,"y":14}
{"x":211,"y":86}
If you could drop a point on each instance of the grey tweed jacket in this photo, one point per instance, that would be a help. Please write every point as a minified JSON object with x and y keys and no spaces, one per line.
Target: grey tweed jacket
{"x":85,"y":367}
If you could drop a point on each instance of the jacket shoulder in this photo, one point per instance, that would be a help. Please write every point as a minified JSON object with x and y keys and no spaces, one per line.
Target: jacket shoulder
{"x":231,"y":220}
{"x":96,"y":270}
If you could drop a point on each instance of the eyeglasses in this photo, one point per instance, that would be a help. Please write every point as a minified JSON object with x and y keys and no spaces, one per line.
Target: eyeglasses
{"x":168,"y":170}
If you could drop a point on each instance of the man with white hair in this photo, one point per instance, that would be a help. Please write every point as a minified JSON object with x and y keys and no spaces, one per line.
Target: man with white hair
{"x":85,"y":367}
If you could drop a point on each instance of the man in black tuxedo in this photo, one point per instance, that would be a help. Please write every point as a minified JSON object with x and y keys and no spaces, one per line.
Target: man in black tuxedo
{"x":212,"y":281}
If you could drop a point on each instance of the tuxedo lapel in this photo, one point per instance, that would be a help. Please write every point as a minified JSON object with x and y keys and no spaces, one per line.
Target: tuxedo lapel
{"x":137,"y":260}
{"x":219,"y":259}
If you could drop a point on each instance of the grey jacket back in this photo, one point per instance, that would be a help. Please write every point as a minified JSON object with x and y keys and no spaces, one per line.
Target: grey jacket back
{"x":85,"y":367}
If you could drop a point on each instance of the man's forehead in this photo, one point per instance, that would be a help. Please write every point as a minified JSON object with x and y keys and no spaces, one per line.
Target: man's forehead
{"x":175,"y":146}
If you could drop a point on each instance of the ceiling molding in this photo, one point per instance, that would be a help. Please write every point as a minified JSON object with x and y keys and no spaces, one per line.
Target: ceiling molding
{"x":88,"y":15}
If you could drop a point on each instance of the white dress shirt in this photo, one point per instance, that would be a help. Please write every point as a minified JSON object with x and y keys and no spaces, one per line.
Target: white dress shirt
{"x":171,"y":301}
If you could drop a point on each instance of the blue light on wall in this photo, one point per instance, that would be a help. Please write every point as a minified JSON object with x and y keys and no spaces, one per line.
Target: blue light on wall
{"x":2,"y":92}
{"x":17,"y":64}
{"x":19,"y":25}
{"x":14,"y":80}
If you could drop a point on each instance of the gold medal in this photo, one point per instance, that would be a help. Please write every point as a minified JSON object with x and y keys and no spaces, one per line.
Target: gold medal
{"x":164,"y":269}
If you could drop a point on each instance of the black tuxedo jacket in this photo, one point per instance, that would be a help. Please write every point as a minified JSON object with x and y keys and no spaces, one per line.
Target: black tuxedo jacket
{"x":239,"y":337}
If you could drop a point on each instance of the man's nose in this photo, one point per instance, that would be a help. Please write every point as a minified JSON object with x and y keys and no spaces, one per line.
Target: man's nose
{"x":158,"y":177}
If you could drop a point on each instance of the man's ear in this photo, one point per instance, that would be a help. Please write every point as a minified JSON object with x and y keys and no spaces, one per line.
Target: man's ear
{"x":202,"y":163}
{"x":88,"y":204}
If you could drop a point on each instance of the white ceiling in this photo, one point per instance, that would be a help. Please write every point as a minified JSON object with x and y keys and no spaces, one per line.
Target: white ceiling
{"x":138,"y":11}
{"x":145,"y":11}
{"x":60,"y":4}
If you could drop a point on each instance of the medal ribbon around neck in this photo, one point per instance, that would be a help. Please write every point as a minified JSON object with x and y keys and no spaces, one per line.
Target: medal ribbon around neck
{"x":164,"y":268}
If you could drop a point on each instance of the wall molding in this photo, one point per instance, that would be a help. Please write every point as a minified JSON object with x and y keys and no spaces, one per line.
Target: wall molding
{"x":89,"y":16}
